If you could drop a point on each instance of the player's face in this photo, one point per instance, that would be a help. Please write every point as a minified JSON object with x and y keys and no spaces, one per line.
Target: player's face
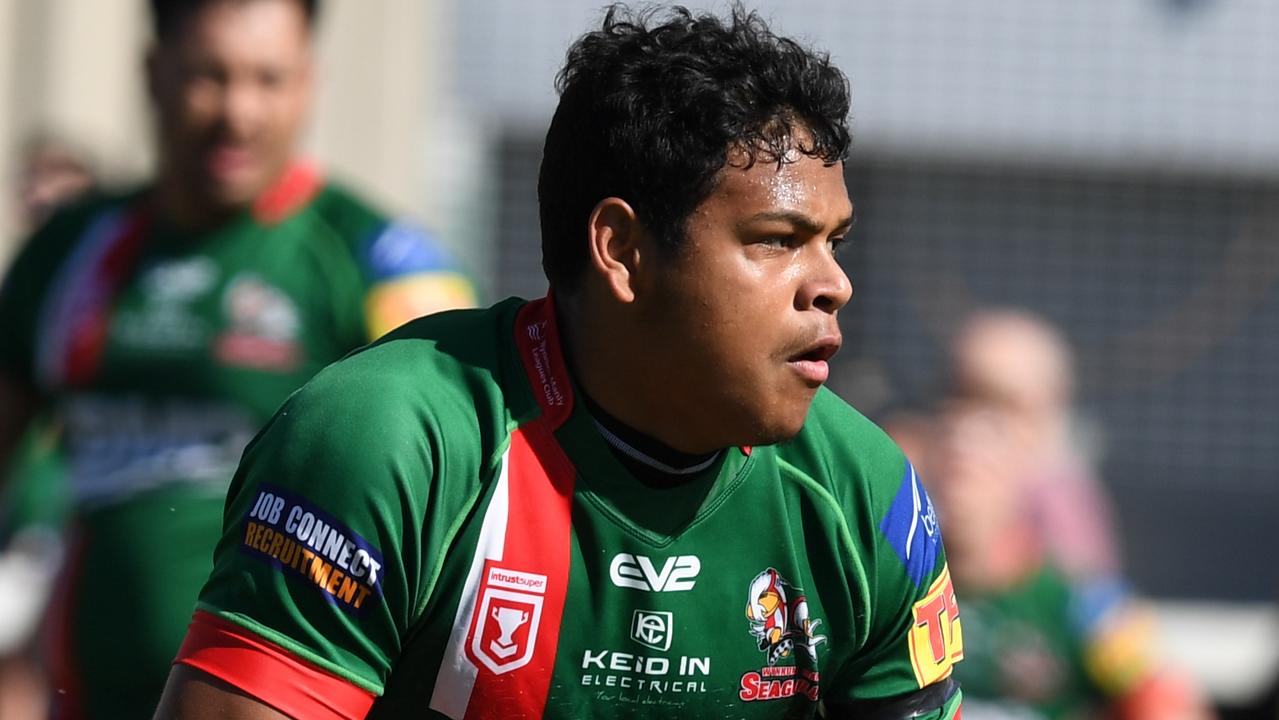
{"x":747,"y":312}
{"x":232,"y":89}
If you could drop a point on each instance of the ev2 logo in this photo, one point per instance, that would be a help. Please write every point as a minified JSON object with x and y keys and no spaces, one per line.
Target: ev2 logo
{"x":638,"y":572}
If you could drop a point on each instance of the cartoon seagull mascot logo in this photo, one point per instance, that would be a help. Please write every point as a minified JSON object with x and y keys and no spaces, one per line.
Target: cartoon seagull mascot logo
{"x":778,"y":614}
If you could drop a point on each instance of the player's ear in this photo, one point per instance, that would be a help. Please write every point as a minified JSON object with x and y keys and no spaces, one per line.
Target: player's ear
{"x":616,"y":241}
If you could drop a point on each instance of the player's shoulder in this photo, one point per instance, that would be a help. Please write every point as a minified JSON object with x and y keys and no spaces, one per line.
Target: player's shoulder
{"x":385,"y":245}
{"x":56,"y":239}
{"x":339,"y":204}
{"x":449,"y":362}
{"x":841,"y":449}
{"x":68,"y":223}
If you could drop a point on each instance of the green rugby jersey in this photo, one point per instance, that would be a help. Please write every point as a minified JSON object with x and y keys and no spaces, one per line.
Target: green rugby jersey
{"x":162,"y":353}
{"x":1044,"y":649}
{"x":433,"y":527}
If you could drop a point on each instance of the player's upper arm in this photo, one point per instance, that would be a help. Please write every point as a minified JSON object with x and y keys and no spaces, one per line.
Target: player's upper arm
{"x":18,"y":405}
{"x":904,"y":669}
{"x":20,"y":299}
{"x":907,"y":630}
{"x":318,"y":562}
{"x":332,"y":528}
{"x":191,"y":694}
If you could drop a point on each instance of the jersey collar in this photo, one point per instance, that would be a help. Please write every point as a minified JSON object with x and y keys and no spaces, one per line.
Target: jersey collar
{"x":537,"y":336}
{"x":295,"y":188}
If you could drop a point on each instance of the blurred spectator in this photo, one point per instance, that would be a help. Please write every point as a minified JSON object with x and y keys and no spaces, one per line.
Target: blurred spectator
{"x":1036,"y":644}
{"x":165,"y":324}
{"x":52,"y":172}
{"x":1017,"y":362}
{"x":1050,"y":629}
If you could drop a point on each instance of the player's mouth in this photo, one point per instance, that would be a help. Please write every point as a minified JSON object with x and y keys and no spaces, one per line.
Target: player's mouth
{"x":811,"y":363}
{"x":225,"y":161}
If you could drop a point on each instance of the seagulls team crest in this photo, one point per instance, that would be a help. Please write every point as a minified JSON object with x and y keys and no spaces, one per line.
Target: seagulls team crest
{"x":778,"y":615}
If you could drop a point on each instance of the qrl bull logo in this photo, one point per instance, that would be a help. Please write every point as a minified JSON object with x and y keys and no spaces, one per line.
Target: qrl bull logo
{"x":503,"y":631}
{"x":509,"y":619}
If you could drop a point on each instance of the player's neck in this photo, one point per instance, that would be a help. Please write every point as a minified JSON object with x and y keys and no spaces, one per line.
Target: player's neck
{"x":182,"y":208}
{"x":648,"y":459}
{"x":621,"y":376}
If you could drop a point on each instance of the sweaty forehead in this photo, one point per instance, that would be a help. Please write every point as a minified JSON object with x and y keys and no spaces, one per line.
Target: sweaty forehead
{"x":799,"y":184}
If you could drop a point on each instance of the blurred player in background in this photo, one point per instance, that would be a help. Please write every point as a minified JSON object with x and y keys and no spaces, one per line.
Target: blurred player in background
{"x":52,"y":172}
{"x":1017,"y":362}
{"x":1051,"y":630}
{"x":164,"y":325}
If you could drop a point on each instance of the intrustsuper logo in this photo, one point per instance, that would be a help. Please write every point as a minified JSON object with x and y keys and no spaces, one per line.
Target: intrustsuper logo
{"x":639,"y":572}
{"x":503,"y":634}
{"x":652,"y":628}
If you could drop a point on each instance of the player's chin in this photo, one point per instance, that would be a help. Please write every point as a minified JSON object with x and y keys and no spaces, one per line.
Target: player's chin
{"x":784,"y":419}
{"x":234,"y":193}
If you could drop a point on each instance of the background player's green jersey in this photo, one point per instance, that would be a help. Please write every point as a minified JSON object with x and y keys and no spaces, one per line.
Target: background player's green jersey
{"x":163,"y":352}
{"x":433,"y":527}
{"x":1044,"y":649}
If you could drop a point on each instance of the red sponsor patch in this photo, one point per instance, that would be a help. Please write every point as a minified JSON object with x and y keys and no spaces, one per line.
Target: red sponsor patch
{"x":777,"y":683}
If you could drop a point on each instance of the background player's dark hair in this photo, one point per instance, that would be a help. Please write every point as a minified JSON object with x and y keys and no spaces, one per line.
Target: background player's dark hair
{"x":649,"y":108}
{"x":167,"y":16}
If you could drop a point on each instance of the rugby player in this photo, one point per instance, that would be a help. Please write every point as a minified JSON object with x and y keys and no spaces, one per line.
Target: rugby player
{"x":630,"y":498}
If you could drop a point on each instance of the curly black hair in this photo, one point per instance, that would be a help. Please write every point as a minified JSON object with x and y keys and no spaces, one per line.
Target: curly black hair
{"x":652,"y":103}
{"x":167,"y":16}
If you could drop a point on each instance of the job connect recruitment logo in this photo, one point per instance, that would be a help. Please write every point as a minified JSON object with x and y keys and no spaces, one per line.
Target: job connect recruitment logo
{"x":778,"y":617}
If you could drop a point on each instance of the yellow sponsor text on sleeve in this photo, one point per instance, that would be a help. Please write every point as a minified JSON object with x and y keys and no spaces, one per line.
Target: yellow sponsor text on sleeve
{"x":936,"y":639}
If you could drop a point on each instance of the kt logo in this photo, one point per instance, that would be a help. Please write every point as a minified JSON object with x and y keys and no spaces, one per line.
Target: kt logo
{"x":652,"y":629}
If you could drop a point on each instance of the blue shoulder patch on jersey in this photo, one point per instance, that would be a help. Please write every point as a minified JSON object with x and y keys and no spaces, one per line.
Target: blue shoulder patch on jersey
{"x":910,"y":526}
{"x":1094,"y":600}
{"x":399,"y":248}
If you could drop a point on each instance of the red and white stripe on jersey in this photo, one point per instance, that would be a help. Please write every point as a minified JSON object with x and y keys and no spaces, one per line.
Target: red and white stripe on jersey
{"x":268,"y":672}
{"x":78,"y":316}
{"x":501,"y":653}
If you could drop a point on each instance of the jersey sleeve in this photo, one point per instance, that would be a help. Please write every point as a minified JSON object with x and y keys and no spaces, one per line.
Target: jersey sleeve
{"x":409,"y":274}
{"x":322,"y":566}
{"x":915,"y":637}
{"x":909,"y":635}
{"x":405,"y":271}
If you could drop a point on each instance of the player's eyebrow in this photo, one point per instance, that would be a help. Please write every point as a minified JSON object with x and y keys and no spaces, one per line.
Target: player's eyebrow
{"x":800,"y":221}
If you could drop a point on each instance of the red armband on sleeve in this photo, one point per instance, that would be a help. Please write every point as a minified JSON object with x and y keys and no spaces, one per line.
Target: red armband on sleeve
{"x":268,"y":672}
